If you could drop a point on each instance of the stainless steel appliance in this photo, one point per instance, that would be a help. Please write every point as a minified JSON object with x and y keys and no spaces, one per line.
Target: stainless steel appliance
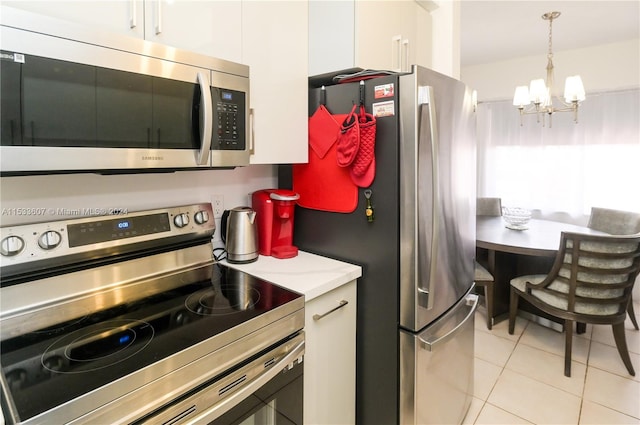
{"x":413,"y":232}
{"x":127,"y":319}
{"x":83,"y":100}
{"x":240,"y":235}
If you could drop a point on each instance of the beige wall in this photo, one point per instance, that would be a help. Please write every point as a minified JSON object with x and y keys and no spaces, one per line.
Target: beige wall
{"x":602,"y":68}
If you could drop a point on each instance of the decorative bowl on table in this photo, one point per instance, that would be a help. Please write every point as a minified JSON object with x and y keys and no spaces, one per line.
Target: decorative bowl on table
{"x":516,"y":218}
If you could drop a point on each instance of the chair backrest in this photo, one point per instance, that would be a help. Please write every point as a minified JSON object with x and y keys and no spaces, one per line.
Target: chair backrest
{"x":489,"y":207}
{"x":615,"y":222}
{"x":592,"y":274}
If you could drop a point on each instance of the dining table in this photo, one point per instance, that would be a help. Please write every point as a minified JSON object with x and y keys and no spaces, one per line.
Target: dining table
{"x":508,"y":253}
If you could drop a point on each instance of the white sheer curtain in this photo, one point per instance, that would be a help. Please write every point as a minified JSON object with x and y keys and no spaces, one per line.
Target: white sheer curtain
{"x":566,"y":168}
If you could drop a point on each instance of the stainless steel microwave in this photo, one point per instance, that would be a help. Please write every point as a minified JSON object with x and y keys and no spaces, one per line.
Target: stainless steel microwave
{"x":76,"y":100}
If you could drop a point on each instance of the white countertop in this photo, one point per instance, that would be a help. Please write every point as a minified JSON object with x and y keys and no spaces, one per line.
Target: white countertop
{"x":309,"y":274}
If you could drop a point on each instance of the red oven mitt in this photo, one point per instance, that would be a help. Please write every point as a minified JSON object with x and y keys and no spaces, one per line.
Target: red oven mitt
{"x":363,"y":169}
{"x":349,"y":140}
{"x":367,"y":124}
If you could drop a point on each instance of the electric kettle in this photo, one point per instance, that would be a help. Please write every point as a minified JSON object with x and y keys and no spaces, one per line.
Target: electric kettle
{"x":239,"y":235}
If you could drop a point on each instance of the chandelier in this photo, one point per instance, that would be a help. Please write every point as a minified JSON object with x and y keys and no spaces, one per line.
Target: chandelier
{"x":540,"y":92}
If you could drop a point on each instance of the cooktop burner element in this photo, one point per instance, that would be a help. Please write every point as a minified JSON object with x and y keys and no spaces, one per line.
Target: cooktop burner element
{"x":211,"y":302}
{"x":98,"y":346}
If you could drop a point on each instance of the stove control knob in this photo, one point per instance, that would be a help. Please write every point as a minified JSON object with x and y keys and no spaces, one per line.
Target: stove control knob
{"x":181,"y":220}
{"x":49,"y":239}
{"x":201,"y":217}
{"x":11,"y":245}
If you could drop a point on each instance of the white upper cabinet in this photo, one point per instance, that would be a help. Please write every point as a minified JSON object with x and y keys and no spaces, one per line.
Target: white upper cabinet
{"x":385,"y":35}
{"x":211,"y":28}
{"x":275,"y":46}
{"x":125,"y":17}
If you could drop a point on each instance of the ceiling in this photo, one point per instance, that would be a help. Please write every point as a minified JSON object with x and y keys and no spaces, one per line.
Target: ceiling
{"x":499,"y":30}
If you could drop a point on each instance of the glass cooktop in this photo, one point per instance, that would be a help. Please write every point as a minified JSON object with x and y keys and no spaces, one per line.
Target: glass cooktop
{"x":48,"y":367}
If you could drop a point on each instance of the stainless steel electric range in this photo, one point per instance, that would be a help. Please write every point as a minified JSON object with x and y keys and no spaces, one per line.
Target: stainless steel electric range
{"x":129,"y":319}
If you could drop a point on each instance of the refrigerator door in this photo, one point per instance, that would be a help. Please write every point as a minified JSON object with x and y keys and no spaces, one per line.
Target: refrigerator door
{"x":437,"y":194}
{"x":436,"y":368}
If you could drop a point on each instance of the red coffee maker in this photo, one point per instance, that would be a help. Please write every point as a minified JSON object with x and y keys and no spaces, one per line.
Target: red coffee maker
{"x":274,"y":216}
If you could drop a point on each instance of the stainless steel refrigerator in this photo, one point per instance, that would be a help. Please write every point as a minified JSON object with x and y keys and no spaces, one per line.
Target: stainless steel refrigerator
{"x":415,"y":313}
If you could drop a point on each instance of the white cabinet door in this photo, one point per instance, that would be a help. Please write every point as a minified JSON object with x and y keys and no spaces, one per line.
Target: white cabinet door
{"x":330,"y":357}
{"x":275,"y":47}
{"x":387,"y":35}
{"x":121,"y":16}
{"x":212,"y":28}
{"x":378,"y":34}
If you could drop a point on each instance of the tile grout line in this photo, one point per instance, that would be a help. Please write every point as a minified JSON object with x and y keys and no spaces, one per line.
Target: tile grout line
{"x":502,"y":368}
{"x":586,"y":373}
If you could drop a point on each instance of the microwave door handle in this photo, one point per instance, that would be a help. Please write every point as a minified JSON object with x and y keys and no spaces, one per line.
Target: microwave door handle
{"x":426,"y":100}
{"x":206,"y":119}
{"x":252,"y":141}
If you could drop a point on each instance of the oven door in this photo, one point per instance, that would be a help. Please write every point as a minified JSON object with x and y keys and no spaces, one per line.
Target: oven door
{"x":266,"y":389}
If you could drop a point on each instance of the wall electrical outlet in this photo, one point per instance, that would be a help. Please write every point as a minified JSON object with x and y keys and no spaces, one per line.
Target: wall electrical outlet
{"x":217,"y":201}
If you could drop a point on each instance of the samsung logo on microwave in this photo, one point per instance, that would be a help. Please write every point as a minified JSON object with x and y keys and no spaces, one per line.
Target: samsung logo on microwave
{"x":152,"y":158}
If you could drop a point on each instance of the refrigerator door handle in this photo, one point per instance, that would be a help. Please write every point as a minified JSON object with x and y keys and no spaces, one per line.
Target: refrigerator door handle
{"x":426,"y":99}
{"x":431,"y":344}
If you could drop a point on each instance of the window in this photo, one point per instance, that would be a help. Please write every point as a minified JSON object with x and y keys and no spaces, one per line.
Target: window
{"x":567,"y":167}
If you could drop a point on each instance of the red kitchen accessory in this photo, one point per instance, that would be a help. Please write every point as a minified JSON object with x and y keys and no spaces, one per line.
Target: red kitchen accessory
{"x":321,"y":183}
{"x":274,"y":215}
{"x":364,"y":156}
{"x":325,"y":131}
{"x":349,"y":139}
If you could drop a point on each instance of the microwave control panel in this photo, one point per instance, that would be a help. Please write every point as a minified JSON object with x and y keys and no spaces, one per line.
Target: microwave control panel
{"x":229,"y":108}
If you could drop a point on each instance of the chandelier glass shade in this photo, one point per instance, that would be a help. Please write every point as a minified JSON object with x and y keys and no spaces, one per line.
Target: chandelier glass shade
{"x":537,"y":98}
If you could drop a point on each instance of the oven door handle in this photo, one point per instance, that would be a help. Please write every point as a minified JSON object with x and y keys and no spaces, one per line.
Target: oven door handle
{"x":189,"y":412}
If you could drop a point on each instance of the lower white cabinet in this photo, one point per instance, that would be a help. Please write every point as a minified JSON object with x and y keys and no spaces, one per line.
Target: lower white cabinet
{"x":330,"y":357}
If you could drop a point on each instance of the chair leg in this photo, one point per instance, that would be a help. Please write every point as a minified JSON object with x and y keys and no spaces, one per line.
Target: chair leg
{"x":632,"y":314}
{"x":621,"y":344}
{"x":581,"y":328}
{"x":513,"y":308}
{"x":488,"y":297}
{"x":568,"y":341}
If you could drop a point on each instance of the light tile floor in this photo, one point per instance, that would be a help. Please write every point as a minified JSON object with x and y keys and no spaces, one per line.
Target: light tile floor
{"x":519,"y":378}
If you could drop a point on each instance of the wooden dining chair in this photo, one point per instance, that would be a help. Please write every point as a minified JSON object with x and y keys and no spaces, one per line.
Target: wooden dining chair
{"x":590,"y":282}
{"x":482,"y":276}
{"x":617,"y":222}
